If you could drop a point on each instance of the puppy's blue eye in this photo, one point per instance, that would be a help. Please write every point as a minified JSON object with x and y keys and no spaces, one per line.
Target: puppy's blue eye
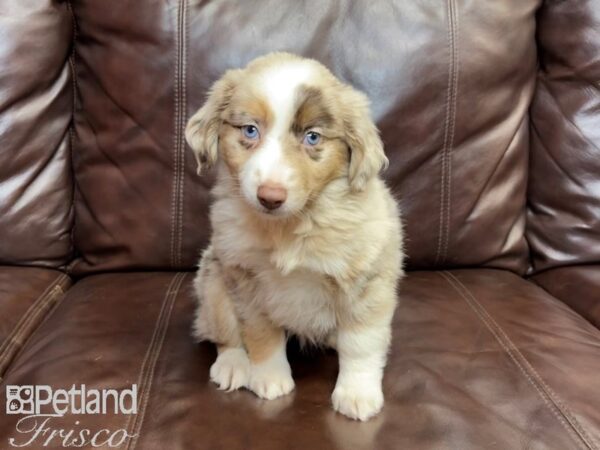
{"x":250,"y":131}
{"x":312,"y":138}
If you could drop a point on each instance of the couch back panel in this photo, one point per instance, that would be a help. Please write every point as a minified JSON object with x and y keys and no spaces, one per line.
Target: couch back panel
{"x":450,"y":86}
{"x":36,"y":97}
{"x":563,"y":226}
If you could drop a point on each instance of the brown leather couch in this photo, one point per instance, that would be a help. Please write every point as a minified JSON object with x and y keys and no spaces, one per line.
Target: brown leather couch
{"x":490,"y":113}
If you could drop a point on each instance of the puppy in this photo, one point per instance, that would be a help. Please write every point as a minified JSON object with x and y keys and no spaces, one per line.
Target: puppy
{"x":306,"y":237}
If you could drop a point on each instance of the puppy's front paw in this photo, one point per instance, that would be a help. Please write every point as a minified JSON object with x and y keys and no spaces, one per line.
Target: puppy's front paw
{"x":231,"y":370}
{"x":357,"y":402}
{"x":269,"y":381}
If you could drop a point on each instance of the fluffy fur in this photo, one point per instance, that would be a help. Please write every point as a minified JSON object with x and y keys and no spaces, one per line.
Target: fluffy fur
{"x":323,"y":264}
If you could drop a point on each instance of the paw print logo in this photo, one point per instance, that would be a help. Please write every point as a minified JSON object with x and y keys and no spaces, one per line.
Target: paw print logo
{"x":19,"y":399}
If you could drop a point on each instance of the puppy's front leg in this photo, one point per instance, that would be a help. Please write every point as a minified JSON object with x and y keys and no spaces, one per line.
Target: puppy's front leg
{"x":362,"y":352}
{"x":270,"y":372}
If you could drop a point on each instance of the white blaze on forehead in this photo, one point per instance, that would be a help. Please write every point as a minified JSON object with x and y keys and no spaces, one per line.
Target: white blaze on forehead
{"x":279,"y":85}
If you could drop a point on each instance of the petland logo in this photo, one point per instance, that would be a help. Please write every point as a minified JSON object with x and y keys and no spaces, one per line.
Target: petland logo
{"x":37,"y":427}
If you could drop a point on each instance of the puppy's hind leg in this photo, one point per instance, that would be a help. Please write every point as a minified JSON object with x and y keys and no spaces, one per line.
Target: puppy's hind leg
{"x":216,"y":321}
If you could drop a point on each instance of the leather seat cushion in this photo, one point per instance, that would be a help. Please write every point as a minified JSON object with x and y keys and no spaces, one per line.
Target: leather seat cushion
{"x":27,"y":294}
{"x":577,"y":286}
{"x":479,"y":358}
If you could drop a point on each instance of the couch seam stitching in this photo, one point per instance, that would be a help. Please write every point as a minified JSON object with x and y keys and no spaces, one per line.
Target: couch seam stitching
{"x":151,"y":357}
{"x":448,"y":123}
{"x":443,"y":155}
{"x":27,"y":313}
{"x":60,"y":297}
{"x":550,"y":399}
{"x":31,"y":314}
{"x":74,"y":85}
{"x":60,"y":291}
{"x":456,"y":58}
{"x":550,"y":392}
{"x":143,"y":370}
{"x":511,"y":355}
{"x":177,"y":140}
{"x":183,"y":106}
{"x":175,"y":153}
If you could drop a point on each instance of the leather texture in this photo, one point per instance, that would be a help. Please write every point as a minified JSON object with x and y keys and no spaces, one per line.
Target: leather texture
{"x":36,"y":105}
{"x":564,"y":194}
{"x":27,"y":294}
{"x":577,"y":286}
{"x":449,"y":95}
{"x":468,"y":367}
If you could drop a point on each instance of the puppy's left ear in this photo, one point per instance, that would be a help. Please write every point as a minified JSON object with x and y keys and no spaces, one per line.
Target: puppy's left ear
{"x":202,"y":130}
{"x":367,"y":157}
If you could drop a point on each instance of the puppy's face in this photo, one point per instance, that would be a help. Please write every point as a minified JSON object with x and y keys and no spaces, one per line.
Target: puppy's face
{"x":285,"y":128}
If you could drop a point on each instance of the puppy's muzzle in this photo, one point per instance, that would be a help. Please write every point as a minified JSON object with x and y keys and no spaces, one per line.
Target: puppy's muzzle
{"x":271,"y":195}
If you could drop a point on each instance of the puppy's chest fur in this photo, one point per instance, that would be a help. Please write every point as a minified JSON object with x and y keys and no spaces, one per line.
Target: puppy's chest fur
{"x":302,"y":279}
{"x":303,"y":302}
{"x":303,"y":299}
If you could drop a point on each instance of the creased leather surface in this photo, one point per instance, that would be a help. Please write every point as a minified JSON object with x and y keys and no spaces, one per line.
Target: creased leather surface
{"x":26,"y":296}
{"x":577,"y":286}
{"x":450,"y":87}
{"x":563,"y":225}
{"x":36,"y":95}
{"x":480,"y":359}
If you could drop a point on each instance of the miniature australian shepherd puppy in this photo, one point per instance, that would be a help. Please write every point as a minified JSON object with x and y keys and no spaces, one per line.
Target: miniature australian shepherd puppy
{"x":306,"y":236}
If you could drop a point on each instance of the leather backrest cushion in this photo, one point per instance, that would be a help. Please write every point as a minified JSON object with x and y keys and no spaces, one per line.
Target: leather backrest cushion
{"x":36,"y":98}
{"x":563,"y":224}
{"x":450,"y":85}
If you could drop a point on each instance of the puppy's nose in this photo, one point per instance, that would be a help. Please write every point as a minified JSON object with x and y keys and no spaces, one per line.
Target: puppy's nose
{"x":271,"y":196}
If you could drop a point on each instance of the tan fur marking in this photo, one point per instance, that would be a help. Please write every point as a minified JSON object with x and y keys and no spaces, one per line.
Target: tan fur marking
{"x":246,"y":107}
{"x":235,"y":150}
{"x":261,"y":339}
{"x":312,"y":110}
{"x":215,"y":318}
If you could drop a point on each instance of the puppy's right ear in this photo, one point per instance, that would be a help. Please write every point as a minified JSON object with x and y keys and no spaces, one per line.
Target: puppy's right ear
{"x":202,"y":130}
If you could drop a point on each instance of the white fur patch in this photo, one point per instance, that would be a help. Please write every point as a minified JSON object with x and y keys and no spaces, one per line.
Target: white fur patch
{"x":358,"y":392}
{"x":231,"y":370}
{"x":299,"y":301}
{"x":272,"y":378}
{"x":278,"y":85}
{"x":357,"y":402}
